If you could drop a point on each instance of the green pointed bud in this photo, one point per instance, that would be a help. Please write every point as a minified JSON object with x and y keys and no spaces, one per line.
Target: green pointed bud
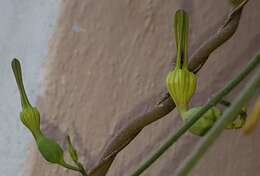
{"x":205,"y":122}
{"x":19,"y":80}
{"x":181,"y":83}
{"x":30,"y":116}
{"x":50,"y":150}
{"x":72,"y":150}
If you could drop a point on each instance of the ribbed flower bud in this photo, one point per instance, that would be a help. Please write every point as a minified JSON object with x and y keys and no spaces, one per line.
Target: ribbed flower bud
{"x":181,"y":83}
{"x":31,"y":119}
{"x":205,"y":122}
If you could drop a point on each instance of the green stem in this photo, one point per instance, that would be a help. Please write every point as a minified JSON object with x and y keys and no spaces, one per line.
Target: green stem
{"x":220,"y":125}
{"x":78,"y":169}
{"x":217,"y":98}
{"x":68,"y":166}
{"x":82,"y":169}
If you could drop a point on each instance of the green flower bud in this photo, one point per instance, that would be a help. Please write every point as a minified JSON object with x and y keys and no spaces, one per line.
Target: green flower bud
{"x":50,"y":150}
{"x":181,"y":83}
{"x":30,"y":115}
{"x":205,"y":122}
{"x":72,"y":150}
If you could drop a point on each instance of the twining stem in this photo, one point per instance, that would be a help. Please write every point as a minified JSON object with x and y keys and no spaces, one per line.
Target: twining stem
{"x":217,"y":98}
{"x":220,"y":125}
{"x":155,"y":111}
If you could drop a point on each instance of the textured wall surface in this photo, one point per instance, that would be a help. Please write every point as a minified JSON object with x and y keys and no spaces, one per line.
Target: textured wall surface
{"x":107,"y":56}
{"x":26,"y":26}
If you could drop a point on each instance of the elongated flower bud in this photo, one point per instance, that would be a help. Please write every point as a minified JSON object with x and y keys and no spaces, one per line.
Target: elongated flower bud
{"x":72,"y":151}
{"x":30,"y":116}
{"x":181,"y":83}
{"x":50,"y":150}
{"x":205,"y":122}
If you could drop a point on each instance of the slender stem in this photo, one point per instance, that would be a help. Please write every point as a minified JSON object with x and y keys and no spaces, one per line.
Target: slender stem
{"x":79,"y":168}
{"x":217,"y":98}
{"x":220,"y":125}
{"x":82,"y":169}
{"x":68,"y":166}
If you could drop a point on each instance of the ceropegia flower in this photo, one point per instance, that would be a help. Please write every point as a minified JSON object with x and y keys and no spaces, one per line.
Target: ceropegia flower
{"x":30,"y":117}
{"x":181,"y":83}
